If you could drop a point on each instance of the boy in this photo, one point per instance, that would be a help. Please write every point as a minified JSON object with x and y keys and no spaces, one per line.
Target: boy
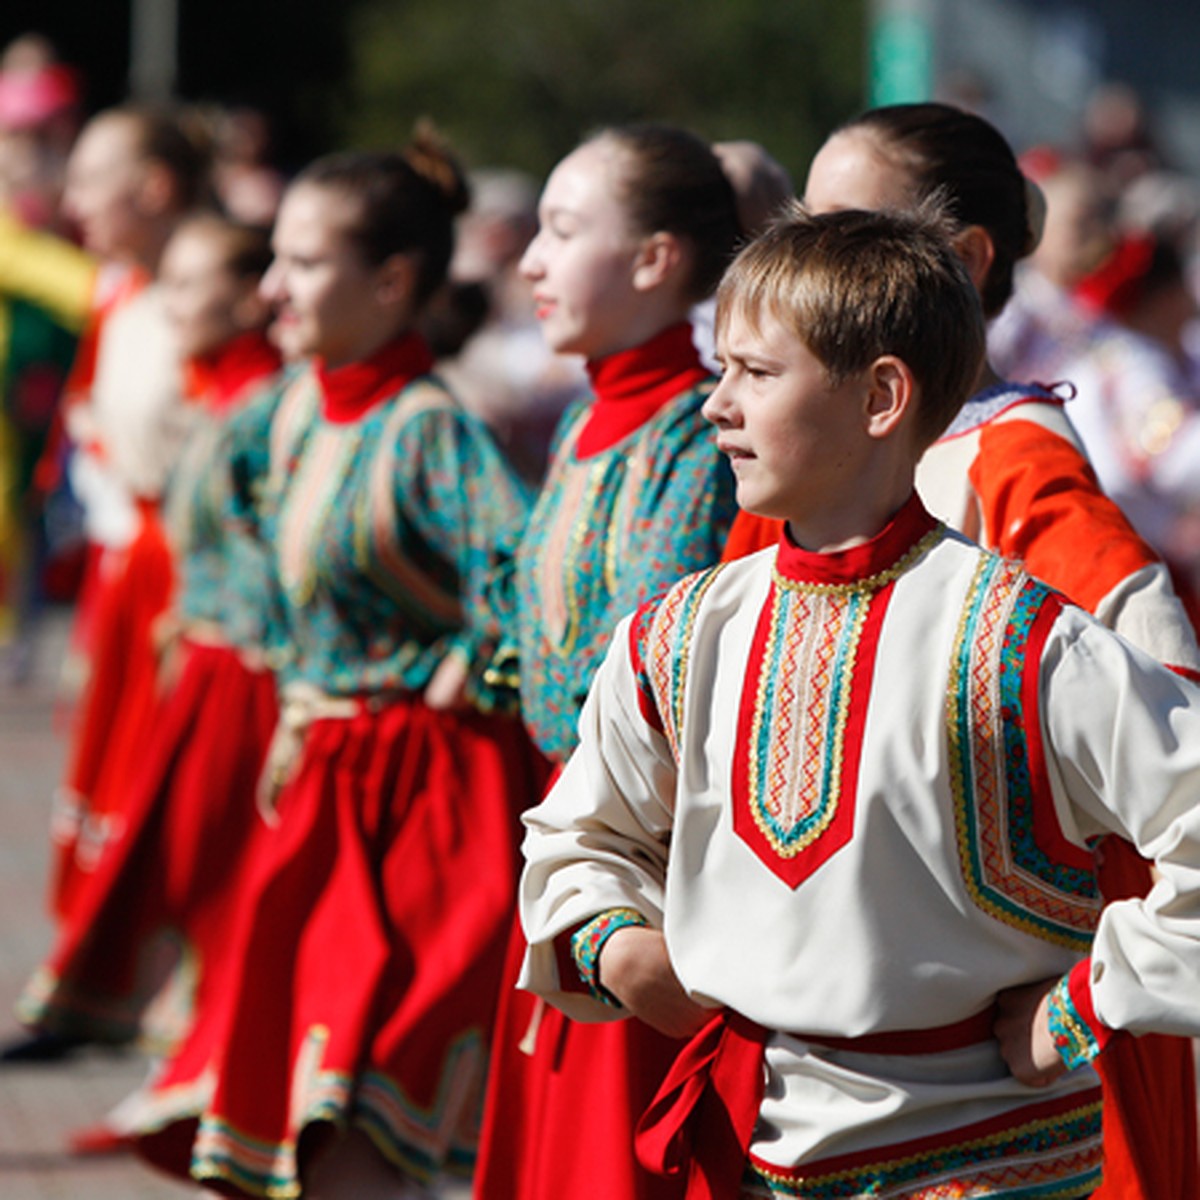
{"x":831,"y":807}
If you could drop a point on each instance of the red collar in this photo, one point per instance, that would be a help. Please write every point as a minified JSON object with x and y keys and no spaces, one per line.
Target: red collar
{"x":218,"y":380}
{"x":900,"y":535}
{"x":632,"y":385}
{"x":349,"y":392}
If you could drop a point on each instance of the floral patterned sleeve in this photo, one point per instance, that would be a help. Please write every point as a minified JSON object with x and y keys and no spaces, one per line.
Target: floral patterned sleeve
{"x":467,"y":507}
{"x":254,"y":617}
{"x":682,"y":515}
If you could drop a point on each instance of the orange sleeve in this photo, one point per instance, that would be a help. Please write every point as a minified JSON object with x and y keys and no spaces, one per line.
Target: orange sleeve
{"x":1043,"y":505}
{"x":749,"y":534}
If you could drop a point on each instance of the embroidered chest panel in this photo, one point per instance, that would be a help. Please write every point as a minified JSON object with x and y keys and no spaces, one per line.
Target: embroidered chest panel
{"x":607,"y":533}
{"x":800,"y":723}
{"x":577,"y":533}
{"x":1017,"y":864}
{"x":334,"y":489}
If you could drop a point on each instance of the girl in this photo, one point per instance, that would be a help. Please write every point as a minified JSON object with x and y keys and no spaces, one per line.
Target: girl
{"x":132,"y":177}
{"x":636,"y":226}
{"x":1010,"y":473}
{"x":369,"y":950}
{"x":189,"y":810}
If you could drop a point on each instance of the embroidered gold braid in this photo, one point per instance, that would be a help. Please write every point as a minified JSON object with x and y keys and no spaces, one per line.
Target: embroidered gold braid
{"x":871,"y":583}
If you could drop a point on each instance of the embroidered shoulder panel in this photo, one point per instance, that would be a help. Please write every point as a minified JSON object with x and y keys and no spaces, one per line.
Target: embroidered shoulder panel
{"x":378,"y":534}
{"x":1017,"y":864}
{"x":661,"y":637}
{"x":609,"y":532}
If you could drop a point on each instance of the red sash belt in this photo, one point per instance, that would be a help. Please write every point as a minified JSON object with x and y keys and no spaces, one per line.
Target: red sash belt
{"x":970,"y":1032}
{"x":703,"y":1117}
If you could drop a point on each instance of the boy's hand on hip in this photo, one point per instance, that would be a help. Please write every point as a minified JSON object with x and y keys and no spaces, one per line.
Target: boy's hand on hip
{"x":1023,"y":1030}
{"x":635,"y":968}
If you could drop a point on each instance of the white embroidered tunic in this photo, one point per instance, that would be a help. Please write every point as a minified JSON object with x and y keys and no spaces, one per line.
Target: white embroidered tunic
{"x":856,"y":791}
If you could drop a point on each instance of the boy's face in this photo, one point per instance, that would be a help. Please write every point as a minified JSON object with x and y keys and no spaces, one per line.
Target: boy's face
{"x":797,"y":444}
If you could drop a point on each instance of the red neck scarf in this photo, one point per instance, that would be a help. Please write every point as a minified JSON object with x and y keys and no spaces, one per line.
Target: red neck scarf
{"x":350,"y":391}
{"x":632,"y":385}
{"x":220,"y":379}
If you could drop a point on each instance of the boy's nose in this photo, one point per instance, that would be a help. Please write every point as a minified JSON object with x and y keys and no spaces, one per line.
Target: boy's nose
{"x":719,"y":408}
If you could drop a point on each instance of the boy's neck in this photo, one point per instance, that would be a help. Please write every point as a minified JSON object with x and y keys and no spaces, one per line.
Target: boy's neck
{"x":841,"y":527}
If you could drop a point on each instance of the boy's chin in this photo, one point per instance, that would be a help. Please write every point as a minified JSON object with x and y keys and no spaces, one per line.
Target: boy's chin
{"x":759,"y":506}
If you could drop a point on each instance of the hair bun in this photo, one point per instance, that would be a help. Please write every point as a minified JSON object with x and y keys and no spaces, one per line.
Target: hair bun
{"x":1035,"y":214}
{"x":430,"y":156}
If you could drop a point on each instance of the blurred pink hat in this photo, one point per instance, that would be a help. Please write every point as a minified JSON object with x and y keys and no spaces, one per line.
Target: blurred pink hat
{"x":30,"y":98}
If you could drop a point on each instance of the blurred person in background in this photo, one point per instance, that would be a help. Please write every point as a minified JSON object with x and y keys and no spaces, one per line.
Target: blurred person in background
{"x":761,"y":187}
{"x":170,"y":877}
{"x":1138,"y":402}
{"x":132,"y":177}
{"x":366,"y":955}
{"x":1117,"y":134}
{"x":39,"y":120}
{"x":46,"y":285}
{"x":1043,"y":326}
{"x":248,"y":184}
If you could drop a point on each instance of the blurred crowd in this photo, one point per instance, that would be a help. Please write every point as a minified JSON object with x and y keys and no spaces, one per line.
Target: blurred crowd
{"x":66,"y":248}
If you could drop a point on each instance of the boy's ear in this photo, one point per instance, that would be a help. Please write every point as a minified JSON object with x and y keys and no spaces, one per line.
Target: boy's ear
{"x":891,"y":395}
{"x":975,"y":247}
{"x":658,"y":256}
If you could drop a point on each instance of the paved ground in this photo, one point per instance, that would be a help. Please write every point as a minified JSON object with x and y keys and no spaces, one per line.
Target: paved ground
{"x":39,"y":1105}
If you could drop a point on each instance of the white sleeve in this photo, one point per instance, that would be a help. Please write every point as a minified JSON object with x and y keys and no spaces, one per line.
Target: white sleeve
{"x":600,"y":839}
{"x":1124,"y":736}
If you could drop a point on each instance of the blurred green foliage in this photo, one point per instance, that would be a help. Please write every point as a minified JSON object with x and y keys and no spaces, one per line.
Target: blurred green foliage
{"x":518,"y":82}
{"x":510,"y":82}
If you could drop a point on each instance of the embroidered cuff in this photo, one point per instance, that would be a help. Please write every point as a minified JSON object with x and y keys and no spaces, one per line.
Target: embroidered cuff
{"x":1079,"y":1034}
{"x":589,"y":939}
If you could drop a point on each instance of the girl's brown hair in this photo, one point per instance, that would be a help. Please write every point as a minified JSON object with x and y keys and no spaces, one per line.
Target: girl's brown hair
{"x":965,"y":163}
{"x":405,"y":203}
{"x":674,"y":183}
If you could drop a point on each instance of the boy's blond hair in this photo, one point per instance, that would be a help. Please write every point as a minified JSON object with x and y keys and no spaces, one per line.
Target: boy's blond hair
{"x":854,"y":286}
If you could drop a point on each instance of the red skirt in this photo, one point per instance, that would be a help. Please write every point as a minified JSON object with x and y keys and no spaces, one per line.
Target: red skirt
{"x":167,"y":886}
{"x":370,"y":949}
{"x":133,"y":589}
{"x":564,"y":1100}
{"x":1150,"y":1143}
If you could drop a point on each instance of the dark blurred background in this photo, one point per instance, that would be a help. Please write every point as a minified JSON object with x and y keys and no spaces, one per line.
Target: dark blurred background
{"x":518,"y":81}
